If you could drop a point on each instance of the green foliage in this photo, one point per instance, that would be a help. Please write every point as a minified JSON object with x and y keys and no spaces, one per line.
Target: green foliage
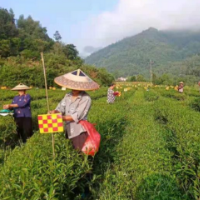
{"x":140,"y":78}
{"x":151,"y":96}
{"x":158,"y":187}
{"x":30,"y":172}
{"x":149,"y":150}
{"x":162,"y":80}
{"x":57,"y":36}
{"x":173,"y":94}
{"x":183,"y":123}
{"x":18,"y":69}
{"x":195,"y":104}
{"x":20,"y":48}
{"x":7,"y":131}
{"x":36,"y":175}
{"x":7,"y":24}
{"x":132,"y":78}
{"x":142,"y":164}
{"x":28,"y":38}
{"x":70,"y":51}
{"x":28,"y":28}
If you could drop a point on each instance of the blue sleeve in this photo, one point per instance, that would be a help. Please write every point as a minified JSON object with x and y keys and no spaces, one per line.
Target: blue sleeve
{"x":13,"y":101}
{"x":25,"y":102}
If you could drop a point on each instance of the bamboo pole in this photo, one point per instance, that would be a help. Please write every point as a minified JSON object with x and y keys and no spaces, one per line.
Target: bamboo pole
{"x":45,"y":80}
{"x":47,"y":98}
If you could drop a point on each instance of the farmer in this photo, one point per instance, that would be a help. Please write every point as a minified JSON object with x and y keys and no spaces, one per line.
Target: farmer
{"x":75,"y":105}
{"x":22,"y":112}
{"x":111,"y":94}
{"x":180,"y":87}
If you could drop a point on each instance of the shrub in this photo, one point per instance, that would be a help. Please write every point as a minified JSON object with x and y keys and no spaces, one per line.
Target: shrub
{"x":30,"y":172}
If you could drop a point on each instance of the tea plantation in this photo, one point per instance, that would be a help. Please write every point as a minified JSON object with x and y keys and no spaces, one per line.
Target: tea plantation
{"x":150,"y":149}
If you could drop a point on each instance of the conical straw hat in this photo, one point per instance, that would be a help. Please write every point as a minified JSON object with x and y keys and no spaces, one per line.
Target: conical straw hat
{"x":21,"y":86}
{"x":76,"y":80}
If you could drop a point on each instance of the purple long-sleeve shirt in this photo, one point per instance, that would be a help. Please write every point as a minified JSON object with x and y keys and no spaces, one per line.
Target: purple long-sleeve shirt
{"x":24,"y":108}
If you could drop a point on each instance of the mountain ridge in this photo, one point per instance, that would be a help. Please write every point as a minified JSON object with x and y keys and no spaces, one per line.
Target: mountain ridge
{"x":131,"y":55}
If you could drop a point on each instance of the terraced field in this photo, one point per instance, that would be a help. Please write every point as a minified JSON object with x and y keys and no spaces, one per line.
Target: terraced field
{"x":149,"y":150}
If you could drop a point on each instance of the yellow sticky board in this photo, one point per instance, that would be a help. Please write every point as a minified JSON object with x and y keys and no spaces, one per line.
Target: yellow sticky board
{"x":50,"y":123}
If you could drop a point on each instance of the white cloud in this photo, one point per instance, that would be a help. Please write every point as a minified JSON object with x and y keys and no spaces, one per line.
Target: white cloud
{"x":133,"y":16}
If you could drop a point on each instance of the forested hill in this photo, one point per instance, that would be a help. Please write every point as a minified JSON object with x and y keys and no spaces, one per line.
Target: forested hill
{"x":131,"y":56}
{"x":21,"y":42}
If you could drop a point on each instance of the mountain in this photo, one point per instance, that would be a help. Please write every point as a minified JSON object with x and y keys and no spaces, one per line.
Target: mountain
{"x":91,"y":49}
{"x":88,"y":50}
{"x":132,"y":55}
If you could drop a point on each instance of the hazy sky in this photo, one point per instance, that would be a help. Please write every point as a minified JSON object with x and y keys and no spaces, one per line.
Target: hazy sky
{"x":101,"y":22}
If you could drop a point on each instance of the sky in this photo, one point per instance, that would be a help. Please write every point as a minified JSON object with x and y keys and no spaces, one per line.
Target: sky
{"x":98,"y":23}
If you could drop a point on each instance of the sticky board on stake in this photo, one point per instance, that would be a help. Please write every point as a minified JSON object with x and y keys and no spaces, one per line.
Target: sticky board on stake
{"x":50,"y":123}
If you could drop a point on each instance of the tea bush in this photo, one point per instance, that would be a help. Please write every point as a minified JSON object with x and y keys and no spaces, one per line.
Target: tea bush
{"x":30,"y":172}
{"x":7,"y":131}
{"x":195,"y":104}
{"x":151,"y":96}
{"x":141,"y":162}
{"x":184,"y":126}
{"x":149,"y":150}
{"x":173,"y":94}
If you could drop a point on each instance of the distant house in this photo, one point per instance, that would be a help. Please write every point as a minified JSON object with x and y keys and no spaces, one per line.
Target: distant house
{"x":122,"y":79}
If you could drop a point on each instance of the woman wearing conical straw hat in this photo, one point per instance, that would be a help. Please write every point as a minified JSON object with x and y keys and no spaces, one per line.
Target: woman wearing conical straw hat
{"x":22,"y":112}
{"x":75,"y":105}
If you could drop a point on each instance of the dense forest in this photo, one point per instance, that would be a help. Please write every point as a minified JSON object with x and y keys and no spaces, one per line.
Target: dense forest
{"x":21,"y":42}
{"x":176,"y":53}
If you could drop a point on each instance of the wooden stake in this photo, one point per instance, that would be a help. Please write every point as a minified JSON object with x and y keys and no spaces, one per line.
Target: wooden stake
{"x":47,"y":98}
{"x":45,"y":80}
{"x":53,"y":145}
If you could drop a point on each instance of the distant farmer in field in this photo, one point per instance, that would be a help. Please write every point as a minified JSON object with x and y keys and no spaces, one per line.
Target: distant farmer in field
{"x":75,"y":105}
{"x":22,"y":112}
{"x":180,"y":87}
{"x":111,"y":94}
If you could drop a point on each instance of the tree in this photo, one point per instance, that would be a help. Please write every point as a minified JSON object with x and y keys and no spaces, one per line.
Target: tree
{"x":57,"y":36}
{"x":4,"y":48}
{"x":70,"y":51}
{"x":32,"y":29}
{"x":154,"y":79}
{"x":133,"y":78}
{"x":7,"y":24}
{"x":140,"y":78}
{"x":33,"y":36}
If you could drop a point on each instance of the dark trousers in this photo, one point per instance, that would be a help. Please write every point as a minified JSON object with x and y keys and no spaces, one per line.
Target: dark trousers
{"x":24,"y":127}
{"x":79,"y":141}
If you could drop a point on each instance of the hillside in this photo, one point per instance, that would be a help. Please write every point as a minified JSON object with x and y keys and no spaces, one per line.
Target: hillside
{"x":132,"y":55}
{"x":22,"y":40}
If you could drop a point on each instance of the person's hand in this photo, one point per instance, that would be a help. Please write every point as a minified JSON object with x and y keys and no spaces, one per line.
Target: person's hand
{"x":51,"y":112}
{"x":63,"y":118}
{"x":6,"y":106}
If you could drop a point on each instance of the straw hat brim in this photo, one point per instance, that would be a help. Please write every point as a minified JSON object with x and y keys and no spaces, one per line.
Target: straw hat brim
{"x":76,"y":85}
{"x":20,"y":87}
